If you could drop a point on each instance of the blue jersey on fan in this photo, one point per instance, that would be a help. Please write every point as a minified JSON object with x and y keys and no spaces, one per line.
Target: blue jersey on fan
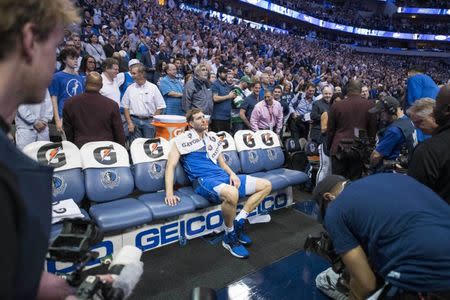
{"x":64,"y":86}
{"x":402,"y":225}
{"x":197,"y":164}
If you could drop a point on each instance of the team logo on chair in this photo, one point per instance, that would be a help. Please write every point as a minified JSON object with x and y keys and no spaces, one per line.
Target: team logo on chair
{"x":110,"y":179}
{"x":156,"y":171}
{"x":226,"y":157}
{"x":52,"y":155}
{"x":268,"y":139}
{"x":253,"y":157}
{"x":105,"y":155}
{"x":249,"y":140}
{"x":153,"y":148}
{"x":223,"y":139}
{"x":271,"y":154}
{"x":59,"y":185}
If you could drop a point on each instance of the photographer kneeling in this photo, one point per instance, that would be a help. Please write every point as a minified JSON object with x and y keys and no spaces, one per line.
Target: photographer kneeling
{"x":391,"y":233}
{"x":398,"y":131}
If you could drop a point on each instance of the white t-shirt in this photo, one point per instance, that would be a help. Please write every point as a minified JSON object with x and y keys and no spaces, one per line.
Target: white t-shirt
{"x":110,"y":89}
{"x":143,"y":100}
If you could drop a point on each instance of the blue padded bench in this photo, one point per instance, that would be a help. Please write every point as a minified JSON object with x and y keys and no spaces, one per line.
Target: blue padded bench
{"x":122,"y":214}
{"x":159,"y":209}
{"x":199,"y":201}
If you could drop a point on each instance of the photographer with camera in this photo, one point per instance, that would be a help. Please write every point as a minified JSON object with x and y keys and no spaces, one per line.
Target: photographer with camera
{"x":398,"y":131}
{"x":391,"y":234}
{"x":344,"y":118}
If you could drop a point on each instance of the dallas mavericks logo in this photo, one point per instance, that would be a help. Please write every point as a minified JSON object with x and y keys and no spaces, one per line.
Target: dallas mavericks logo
{"x":271,"y":154}
{"x":52,"y":155}
{"x":292,"y":144}
{"x":253,"y":157}
{"x":73,"y":87}
{"x":156,"y":170}
{"x":59,"y":185}
{"x":110,"y":179}
{"x":226,"y":157}
{"x":105,"y":155}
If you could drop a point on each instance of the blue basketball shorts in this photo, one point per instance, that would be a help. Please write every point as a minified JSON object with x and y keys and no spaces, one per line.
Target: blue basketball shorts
{"x":210,"y":188}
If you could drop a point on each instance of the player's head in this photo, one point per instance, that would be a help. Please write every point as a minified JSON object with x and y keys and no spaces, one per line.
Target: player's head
{"x":196,"y":120}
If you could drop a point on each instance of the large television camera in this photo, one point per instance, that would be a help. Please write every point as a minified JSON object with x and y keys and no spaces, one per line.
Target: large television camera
{"x":398,"y":165}
{"x":323,"y":246}
{"x":358,"y":148}
{"x":73,"y":245}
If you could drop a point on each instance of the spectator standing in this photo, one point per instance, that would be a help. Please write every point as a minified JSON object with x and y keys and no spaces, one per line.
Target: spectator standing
{"x":32,"y":122}
{"x":91,"y":117}
{"x":141,"y":101}
{"x":94,"y":49}
{"x":223,"y":94}
{"x":197,"y":93}
{"x":318,"y":108}
{"x":150,"y":61}
{"x":301,"y":112}
{"x":111,"y":46}
{"x":241,"y":91}
{"x":421,"y":114}
{"x":172,"y":91}
{"x":430,"y":163}
{"x":267,"y":114}
{"x":65,"y":84}
{"x":344,"y":118}
{"x":110,"y":88}
{"x":249,"y":104}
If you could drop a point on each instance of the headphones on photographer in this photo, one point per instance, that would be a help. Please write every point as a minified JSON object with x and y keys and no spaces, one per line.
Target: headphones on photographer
{"x":390,"y":109}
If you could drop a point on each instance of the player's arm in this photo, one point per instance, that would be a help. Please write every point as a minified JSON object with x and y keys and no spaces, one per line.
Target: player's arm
{"x":234,"y":180}
{"x":363,"y":281}
{"x":172,"y":161}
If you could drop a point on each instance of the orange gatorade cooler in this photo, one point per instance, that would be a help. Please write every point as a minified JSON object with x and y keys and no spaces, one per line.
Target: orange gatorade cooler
{"x":169,"y":126}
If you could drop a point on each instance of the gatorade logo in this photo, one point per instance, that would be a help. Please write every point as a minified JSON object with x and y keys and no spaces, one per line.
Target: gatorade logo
{"x":178,"y":131}
{"x":153,"y":148}
{"x":268,"y":139}
{"x":52,"y":155}
{"x":249,"y":140}
{"x":222,"y":137}
{"x":105,"y":155}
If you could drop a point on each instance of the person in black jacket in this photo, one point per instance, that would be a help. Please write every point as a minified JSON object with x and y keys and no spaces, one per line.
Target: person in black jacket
{"x":318,"y":108}
{"x":430,"y":163}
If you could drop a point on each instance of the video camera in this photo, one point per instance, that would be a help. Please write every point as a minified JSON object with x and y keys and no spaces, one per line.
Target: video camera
{"x":358,"y":148}
{"x":323,"y":246}
{"x":400,"y":164}
{"x":73,"y":245}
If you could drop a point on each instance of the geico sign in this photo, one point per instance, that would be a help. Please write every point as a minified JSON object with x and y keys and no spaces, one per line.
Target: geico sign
{"x":198,"y":225}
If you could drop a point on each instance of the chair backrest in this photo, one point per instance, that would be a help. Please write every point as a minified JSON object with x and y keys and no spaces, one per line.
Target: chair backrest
{"x":249,"y":150}
{"x":272,"y":154}
{"x":229,"y":151}
{"x":107,"y":173}
{"x":68,"y":179}
{"x":149,"y":158}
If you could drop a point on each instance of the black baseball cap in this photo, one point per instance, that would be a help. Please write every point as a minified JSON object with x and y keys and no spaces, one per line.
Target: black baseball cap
{"x":325,"y":186}
{"x":222,"y":69}
{"x":386,"y":104}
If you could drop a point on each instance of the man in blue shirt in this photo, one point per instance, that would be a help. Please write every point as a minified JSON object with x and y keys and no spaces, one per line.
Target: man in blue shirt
{"x":419,"y":86}
{"x":399,"y":131}
{"x":390,"y":226}
{"x":65,"y":84}
{"x":222,"y":96}
{"x":172,"y":91}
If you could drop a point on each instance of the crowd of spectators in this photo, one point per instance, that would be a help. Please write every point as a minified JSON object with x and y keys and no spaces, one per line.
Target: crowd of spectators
{"x":181,"y":53}
{"x":354,"y":13}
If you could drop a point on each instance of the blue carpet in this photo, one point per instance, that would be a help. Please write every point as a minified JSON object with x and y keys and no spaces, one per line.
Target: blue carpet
{"x":292,"y":277}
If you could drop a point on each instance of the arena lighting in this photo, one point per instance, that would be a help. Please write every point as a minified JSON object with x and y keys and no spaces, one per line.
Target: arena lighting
{"x":423,"y":11}
{"x":231,"y":19}
{"x":345,"y":28}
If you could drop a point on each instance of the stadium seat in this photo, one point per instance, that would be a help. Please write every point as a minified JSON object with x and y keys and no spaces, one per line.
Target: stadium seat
{"x":229,"y":151}
{"x":249,"y":150}
{"x":198,"y":200}
{"x":159,"y":209}
{"x":108,"y":181}
{"x":272,"y":154}
{"x":68,"y":179}
{"x":149,"y":158}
